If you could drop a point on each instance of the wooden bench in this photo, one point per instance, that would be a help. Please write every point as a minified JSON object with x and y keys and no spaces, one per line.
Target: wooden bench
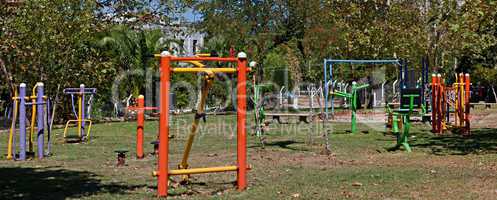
{"x":303,"y":117}
{"x":487,"y":105}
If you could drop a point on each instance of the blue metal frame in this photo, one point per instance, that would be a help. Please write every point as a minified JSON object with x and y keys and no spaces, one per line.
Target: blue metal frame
{"x":328,"y":63}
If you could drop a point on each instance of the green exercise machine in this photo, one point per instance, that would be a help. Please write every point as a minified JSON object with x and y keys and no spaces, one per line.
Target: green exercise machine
{"x":352,"y":97}
{"x":402,"y":116}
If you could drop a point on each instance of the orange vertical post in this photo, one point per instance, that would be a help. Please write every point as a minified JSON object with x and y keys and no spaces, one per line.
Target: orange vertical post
{"x":440,"y":104}
{"x":165,"y":75}
{"x":140,"y":120}
{"x":467,"y":105}
{"x":461,"y":101}
{"x":240,"y":116}
{"x":442,"y":98}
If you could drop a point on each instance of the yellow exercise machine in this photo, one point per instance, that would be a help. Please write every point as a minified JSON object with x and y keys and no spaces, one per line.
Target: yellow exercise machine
{"x":39,"y":102}
{"x":82,"y":116}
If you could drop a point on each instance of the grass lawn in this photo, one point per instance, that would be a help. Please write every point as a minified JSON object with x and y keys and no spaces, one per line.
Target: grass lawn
{"x":289,"y":167}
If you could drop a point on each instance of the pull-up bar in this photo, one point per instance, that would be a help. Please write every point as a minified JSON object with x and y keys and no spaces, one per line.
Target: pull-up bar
{"x":241,"y":69}
{"x":185,"y":59}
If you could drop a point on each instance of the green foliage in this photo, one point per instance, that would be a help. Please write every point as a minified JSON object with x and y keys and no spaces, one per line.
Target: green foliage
{"x":52,"y":41}
{"x":442,"y":30}
{"x":275,"y":67}
{"x":69,"y":42}
{"x":132,"y":51}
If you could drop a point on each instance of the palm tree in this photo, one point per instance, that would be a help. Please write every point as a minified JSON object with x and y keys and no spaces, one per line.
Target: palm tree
{"x":133,"y":51}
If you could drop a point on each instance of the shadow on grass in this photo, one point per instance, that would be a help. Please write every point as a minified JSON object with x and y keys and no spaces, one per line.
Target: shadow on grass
{"x":481,"y":141}
{"x":284,"y":144}
{"x":54,"y":184}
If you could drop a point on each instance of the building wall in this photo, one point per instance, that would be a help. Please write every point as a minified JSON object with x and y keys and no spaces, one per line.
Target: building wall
{"x":188,"y":41}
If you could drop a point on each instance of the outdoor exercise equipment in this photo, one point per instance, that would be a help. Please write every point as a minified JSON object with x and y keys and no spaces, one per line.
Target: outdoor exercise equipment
{"x":328,"y":75}
{"x":39,"y":103}
{"x":403,"y":116}
{"x":82,"y":116}
{"x":352,"y":96}
{"x":208,"y":74}
{"x":259,"y":114}
{"x":121,"y":157}
{"x":156,"y":147}
{"x":447,"y":100}
{"x":409,"y":83}
{"x":140,"y":121}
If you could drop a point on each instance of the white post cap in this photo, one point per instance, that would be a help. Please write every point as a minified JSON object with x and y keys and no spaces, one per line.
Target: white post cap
{"x":242,"y":55}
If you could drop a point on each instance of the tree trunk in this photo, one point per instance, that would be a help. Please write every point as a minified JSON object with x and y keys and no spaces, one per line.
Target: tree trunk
{"x":495,"y":96}
{"x":7,"y":75}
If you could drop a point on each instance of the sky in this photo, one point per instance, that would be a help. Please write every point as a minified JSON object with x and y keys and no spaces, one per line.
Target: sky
{"x":192,"y":16}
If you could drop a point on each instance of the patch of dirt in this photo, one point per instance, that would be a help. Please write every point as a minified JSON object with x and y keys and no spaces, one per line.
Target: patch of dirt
{"x":300,"y":159}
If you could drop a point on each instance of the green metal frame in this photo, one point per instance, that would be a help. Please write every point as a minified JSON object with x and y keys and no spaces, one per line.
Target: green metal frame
{"x":405,"y":114}
{"x":259,"y":113}
{"x":352,"y":96}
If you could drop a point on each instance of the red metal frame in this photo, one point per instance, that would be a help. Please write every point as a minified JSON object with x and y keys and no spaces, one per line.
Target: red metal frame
{"x":163,"y":160}
{"x":140,"y":120}
{"x":165,"y":76}
{"x":440,"y":102}
{"x":140,"y":124}
{"x":241,"y":115}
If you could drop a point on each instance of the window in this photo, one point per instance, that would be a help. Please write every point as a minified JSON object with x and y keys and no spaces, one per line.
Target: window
{"x":194,"y":46}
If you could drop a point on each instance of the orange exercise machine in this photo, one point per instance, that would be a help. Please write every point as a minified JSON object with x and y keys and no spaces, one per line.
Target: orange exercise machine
{"x":163,"y":172}
{"x":447,"y":100}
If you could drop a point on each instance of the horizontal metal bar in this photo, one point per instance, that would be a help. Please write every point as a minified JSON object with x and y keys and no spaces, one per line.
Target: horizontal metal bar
{"x":184,"y":59}
{"x":361,"y":86}
{"x":80,"y":88}
{"x":28,"y":104}
{"x":203,"y":170}
{"x":213,"y":70}
{"x":204,"y":59}
{"x":341,"y":94}
{"x":143,"y":108}
{"x":86,"y":90}
{"x":28,"y":98}
{"x":203,"y":54}
{"x":337,"y":61}
{"x":76,"y":120}
{"x":79,"y":93}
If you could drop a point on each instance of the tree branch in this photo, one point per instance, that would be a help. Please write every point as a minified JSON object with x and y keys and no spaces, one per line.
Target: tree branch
{"x":7,"y":75}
